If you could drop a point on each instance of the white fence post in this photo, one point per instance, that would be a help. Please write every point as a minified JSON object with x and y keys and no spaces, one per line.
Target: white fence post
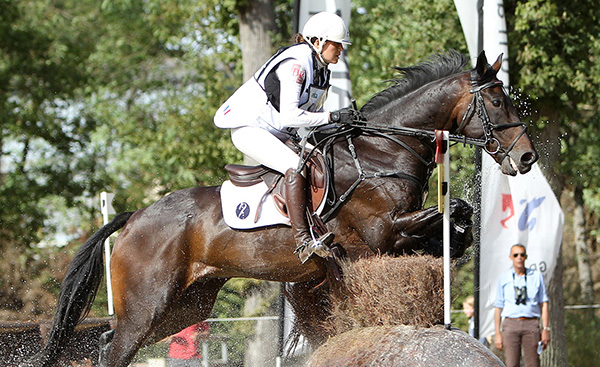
{"x":107,"y":208}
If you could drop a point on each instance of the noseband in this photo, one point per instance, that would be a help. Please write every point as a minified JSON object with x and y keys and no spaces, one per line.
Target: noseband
{"x":477,"y":106}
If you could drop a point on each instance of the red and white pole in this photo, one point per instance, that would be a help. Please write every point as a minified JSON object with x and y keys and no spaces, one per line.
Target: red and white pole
{"x":442,"y":159}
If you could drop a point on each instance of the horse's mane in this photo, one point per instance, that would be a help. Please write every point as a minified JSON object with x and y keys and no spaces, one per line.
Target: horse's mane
{"x":413,"y":77}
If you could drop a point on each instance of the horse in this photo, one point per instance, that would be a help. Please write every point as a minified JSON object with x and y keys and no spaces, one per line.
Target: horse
{"x":171,"y":258}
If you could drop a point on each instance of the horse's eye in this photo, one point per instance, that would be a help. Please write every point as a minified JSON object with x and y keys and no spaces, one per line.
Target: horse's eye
{"x":496,"y":103}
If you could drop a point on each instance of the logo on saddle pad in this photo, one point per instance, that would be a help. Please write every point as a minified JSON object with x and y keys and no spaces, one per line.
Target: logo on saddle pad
{"x":242,"y":210}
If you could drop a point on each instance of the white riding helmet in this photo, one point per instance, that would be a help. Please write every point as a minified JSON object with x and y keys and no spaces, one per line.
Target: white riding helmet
{"x":326,"y":26}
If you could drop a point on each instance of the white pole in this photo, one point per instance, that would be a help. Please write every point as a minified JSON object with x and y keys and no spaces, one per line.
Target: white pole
{"x":443,"y":161}
{"x":106,"y":207}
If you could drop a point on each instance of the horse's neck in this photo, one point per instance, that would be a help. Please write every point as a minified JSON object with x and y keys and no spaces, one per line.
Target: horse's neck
{"x":396,"y":153}
{"x":428,"y":108}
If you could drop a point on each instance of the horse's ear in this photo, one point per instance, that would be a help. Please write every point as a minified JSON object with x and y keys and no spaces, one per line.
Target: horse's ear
{"x":498,"y":63}
{"x":482,"y":63}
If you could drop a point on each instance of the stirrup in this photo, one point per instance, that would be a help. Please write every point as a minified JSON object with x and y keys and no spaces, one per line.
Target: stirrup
{"x":319,"y":247}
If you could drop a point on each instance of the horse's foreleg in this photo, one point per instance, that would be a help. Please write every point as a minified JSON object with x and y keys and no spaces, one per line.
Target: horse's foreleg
{"x":414,"y":229}
{"x":422,"y":230}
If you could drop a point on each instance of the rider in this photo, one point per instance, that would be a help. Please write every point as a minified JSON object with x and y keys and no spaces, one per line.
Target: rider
{"x":287,"y":93}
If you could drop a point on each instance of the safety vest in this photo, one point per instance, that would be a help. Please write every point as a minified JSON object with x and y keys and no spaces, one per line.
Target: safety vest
{"x":314,"y":87}
{"x":256,"y":102}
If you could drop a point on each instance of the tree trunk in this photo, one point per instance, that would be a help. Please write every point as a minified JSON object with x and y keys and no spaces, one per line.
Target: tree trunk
{"x":582,"y":248}
{"x":556,"y":354}
{"x":257,"y":24}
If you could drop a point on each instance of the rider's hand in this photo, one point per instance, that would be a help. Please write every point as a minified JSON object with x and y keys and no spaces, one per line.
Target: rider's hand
{"x":346,"y":115}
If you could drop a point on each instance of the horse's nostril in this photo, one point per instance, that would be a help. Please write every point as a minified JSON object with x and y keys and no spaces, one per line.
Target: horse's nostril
{"x":529,"y":158}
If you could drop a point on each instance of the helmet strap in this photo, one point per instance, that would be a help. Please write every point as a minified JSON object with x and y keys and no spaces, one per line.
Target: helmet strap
{"x":319,"y":51}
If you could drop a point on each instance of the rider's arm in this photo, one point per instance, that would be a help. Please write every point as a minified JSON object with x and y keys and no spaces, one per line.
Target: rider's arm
{"x":498,"y":342}
{"x":291,"y":77}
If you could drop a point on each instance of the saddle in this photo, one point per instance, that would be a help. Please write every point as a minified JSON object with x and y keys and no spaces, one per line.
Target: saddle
{"x":317,"y":176}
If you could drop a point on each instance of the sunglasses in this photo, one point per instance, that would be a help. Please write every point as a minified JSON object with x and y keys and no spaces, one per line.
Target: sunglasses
{"x":519,"y":254}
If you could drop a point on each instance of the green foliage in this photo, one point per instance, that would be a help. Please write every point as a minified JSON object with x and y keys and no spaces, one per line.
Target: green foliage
{"x":390,"y":33}
{"x":554,"y":59}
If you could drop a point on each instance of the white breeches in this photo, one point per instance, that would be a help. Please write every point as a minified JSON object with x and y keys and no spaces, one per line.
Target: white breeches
{"x":265,"y":148}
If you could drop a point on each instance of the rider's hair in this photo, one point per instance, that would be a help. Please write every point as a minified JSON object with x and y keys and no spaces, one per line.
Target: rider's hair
{"x":298,"y":38}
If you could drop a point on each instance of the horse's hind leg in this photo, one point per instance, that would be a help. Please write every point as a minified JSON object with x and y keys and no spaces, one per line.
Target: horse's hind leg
{"x":143,"y":325}
{"x":105,"y":340}
{"x":312,"y":308}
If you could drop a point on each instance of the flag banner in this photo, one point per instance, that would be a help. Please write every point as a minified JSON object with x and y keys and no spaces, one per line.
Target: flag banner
{"x":340,"y":92}
{"x":494,"y":36}
{"x":469,"y":20}
{"x":495,"y":41}
{"x":520,"y":209}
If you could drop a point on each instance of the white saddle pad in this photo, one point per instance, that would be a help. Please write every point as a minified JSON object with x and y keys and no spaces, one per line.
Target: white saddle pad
{"x":241,"y":204}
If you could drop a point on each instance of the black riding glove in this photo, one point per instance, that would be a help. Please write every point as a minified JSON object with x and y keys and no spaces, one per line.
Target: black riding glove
{"x":347,"y":115}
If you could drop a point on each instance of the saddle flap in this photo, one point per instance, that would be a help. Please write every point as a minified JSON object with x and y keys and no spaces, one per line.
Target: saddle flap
{"x":244,"y":176}
{"x":317,"y":181}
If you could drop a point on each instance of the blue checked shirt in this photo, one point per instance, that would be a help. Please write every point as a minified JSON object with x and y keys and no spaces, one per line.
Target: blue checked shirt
{"x":536,"y":294}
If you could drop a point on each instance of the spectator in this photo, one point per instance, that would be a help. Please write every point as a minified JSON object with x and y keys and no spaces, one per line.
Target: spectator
{"x":521,"y":300}
{"x":469,"y":310}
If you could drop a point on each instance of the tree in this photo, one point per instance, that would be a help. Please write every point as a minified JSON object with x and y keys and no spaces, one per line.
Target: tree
{"x":42,"y":134}
{"x":552,"y":55}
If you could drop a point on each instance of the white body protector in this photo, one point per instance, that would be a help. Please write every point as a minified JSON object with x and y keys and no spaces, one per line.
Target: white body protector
{"x":261,"y":102}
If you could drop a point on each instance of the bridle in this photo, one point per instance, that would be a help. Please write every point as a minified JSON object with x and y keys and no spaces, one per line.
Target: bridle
{"x":477,"y":106}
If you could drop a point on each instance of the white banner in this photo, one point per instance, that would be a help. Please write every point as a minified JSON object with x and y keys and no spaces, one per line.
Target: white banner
{"x":494,"y":36}
{"x":520,"y":209}
{"x":340,"y":92}
{"x":469,"y":20}
{"x":494,"y":31}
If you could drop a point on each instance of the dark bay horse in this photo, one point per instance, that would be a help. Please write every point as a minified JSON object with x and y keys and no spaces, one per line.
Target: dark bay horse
{"x":172,"y":258}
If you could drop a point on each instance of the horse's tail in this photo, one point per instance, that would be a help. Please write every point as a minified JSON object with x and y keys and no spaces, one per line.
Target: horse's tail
{"x":77,"y":292}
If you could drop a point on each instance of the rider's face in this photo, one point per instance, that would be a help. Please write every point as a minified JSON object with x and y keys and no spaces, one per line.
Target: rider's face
{"x":331,"y":52}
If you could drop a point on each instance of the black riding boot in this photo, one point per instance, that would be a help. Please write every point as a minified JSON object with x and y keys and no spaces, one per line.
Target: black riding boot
{"x":295,"y":198}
